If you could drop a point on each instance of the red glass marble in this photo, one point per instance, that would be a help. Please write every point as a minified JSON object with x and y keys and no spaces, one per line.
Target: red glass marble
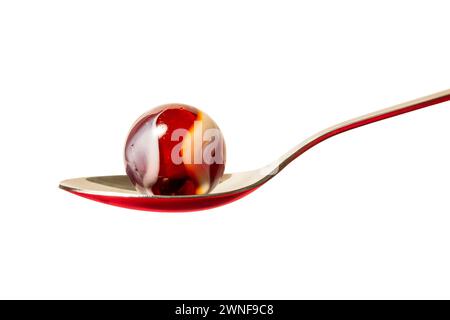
{"x":175,"y":149}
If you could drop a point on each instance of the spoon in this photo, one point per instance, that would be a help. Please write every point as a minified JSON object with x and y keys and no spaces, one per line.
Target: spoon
{"x":119,"y":191}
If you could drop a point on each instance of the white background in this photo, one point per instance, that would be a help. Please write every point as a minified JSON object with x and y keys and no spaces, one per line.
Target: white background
{"x":363,"y":215}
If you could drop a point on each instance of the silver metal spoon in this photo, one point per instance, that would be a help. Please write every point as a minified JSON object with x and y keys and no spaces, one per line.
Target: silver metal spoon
{"x":118,"y":190}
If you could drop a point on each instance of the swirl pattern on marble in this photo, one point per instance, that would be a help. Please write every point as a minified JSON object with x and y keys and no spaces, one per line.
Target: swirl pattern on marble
{"x":175,"y":149}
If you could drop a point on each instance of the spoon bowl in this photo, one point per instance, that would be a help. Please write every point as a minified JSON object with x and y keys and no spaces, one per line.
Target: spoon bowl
{"x":119,"y":191}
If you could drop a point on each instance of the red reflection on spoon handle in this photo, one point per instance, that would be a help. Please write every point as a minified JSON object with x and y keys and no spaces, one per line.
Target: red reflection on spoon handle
{"x":368,"y":119}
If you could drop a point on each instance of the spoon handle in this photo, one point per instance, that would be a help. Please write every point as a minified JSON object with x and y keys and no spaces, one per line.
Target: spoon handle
{"x":359,"y":122}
